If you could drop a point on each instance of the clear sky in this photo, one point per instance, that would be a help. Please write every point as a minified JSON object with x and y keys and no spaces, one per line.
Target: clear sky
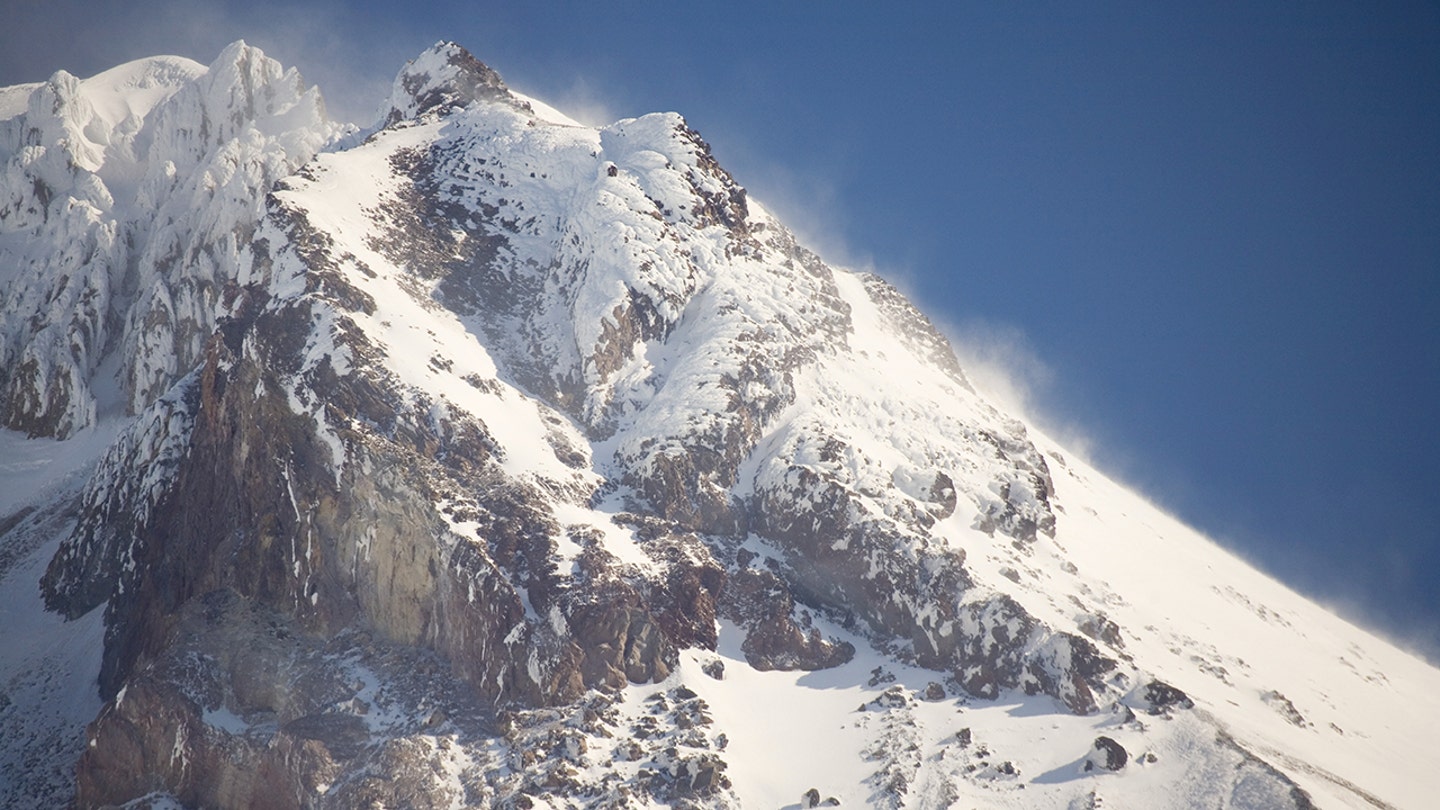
{"x":1205,"y":238}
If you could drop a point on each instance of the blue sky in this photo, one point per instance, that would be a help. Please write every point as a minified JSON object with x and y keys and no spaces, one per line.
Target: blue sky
{"x":1204,"y":237}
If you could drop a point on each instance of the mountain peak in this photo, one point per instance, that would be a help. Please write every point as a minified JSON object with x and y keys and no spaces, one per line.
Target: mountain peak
{"x":135,"y":88}
{"x":444,"y":76}
{"x":108,"y":182}
{"x":543,"y":462}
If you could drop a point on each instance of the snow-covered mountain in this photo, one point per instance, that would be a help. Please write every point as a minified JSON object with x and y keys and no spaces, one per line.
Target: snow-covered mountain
{"x":486,"y":458}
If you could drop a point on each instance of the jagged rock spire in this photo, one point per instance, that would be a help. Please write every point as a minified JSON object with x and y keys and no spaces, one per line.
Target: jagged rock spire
{"x":443,"y":77}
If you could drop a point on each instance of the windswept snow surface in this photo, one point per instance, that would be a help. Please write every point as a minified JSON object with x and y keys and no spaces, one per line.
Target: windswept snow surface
{"x":135,"y":88}
{"x":36,"y":469}
{"x":1330,"y":704}
{"x":48,"y":669}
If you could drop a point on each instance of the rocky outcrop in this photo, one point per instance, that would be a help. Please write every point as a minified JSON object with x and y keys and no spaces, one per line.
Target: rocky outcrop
{"x":1106,"y":754}
{"x":1162,"y":699}
{"x":847,"y":555}
{"x":777,"y":634}
{"x":918,"y":333}
{"x":265,"y":507}
{"x":320,"y":488}
{"x":444,"y":78}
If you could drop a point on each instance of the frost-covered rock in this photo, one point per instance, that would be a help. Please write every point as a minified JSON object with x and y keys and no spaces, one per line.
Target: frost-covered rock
{"x":444,"y":78}
{"x":1106,"y":754}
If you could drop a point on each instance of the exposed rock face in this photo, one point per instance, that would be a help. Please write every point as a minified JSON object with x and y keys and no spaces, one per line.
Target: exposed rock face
{"x":760,"y":602}
{"x":209,"y":722}
{"x":446,"y":439}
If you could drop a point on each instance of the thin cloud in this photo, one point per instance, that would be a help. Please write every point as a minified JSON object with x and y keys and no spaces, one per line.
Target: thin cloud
{"x":349,"y":59}
{"x":1007,"y":369}
{"x":811,"y":206}
{"x":583,"y":102}
{"x":1003,"y":364}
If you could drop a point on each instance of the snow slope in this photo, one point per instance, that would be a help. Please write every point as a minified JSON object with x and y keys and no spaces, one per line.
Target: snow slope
{"x":48,"y":666}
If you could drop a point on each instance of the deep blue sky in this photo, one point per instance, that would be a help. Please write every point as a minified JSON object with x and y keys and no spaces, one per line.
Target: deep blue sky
{"x":1207,"y":236}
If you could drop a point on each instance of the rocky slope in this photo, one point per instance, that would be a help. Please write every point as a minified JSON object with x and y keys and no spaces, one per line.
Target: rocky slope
{"x":485,"y":458}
